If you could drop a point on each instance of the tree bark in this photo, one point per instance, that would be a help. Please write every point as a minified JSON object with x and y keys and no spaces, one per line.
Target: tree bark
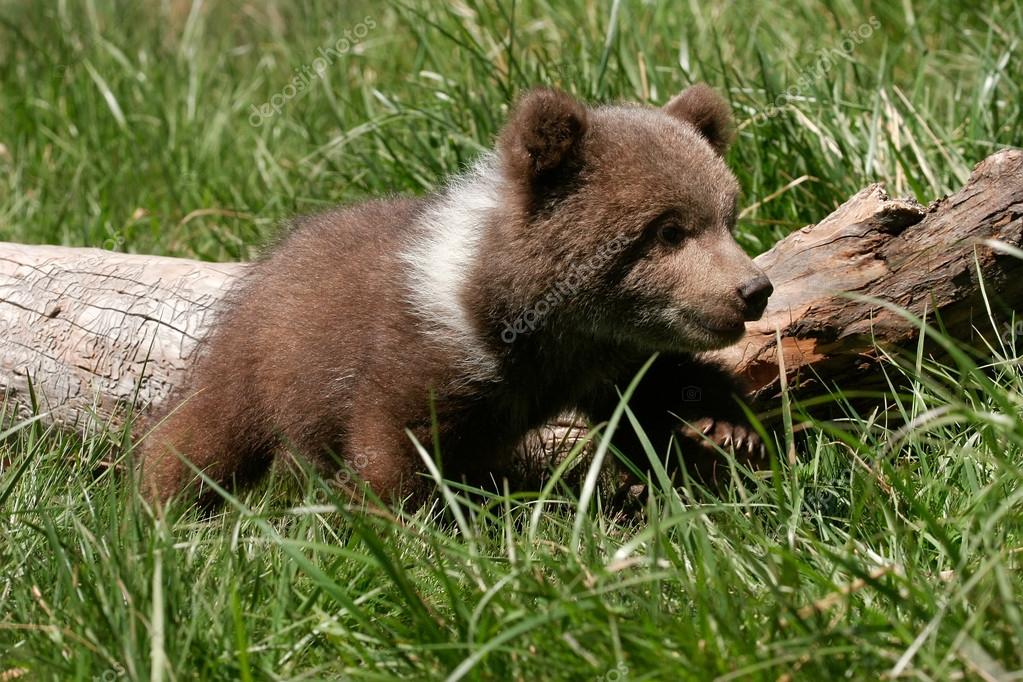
{"x":929,"y":261}
{"x":91,"y":334}
{"x":88,"y":333}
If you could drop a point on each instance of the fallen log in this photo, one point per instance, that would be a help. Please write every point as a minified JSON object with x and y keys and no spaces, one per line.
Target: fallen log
{"x":928,"y":261}
{"x":93,"y":335}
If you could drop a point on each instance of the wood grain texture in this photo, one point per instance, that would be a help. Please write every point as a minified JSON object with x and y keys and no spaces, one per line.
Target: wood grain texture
{"x":94,"y":331}
{"x":925,"y":260}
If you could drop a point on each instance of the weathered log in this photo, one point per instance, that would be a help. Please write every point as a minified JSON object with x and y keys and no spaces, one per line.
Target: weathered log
{"x":91,"y":333}
{"x":97,"y":333}
{"x":927,"y":261}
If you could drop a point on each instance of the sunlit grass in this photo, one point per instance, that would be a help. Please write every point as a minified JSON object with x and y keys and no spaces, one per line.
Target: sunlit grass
{"x":885,"y":549}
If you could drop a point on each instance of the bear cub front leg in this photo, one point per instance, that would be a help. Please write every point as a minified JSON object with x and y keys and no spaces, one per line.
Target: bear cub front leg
{"x":695,"y":403}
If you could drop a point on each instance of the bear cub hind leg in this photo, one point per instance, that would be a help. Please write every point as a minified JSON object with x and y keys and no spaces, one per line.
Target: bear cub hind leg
{"x":207,"y":429}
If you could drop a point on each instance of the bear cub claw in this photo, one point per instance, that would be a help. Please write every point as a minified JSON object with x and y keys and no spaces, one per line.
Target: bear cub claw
{"x":709,"y":434}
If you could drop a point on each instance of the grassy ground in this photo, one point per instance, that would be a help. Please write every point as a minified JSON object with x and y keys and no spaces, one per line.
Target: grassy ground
{"x":880,"y":551}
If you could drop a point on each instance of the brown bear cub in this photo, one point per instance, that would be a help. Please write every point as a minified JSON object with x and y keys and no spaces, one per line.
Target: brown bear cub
{"x":539,"y":281}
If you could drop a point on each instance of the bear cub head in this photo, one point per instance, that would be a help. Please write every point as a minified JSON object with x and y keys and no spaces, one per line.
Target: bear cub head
{"x":643,"y":194}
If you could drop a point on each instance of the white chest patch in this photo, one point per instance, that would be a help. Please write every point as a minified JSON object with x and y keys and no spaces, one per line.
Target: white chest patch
{"x":441,"y":257}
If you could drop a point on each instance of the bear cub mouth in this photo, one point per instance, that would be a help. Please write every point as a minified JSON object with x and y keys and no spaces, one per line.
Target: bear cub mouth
{"x":726,"y":329}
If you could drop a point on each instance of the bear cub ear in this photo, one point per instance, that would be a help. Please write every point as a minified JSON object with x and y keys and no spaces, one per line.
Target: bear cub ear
{"x":543,"y":133}
{"x":707,"y":111}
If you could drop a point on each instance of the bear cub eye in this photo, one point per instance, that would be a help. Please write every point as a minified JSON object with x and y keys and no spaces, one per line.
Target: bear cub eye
{"x":670,"y":234}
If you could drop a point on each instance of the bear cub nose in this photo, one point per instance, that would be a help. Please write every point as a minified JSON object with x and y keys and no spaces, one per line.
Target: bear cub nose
{"x":754,"y":294}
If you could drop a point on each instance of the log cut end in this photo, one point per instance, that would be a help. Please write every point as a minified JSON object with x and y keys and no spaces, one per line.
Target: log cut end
{"x":92,"y":332}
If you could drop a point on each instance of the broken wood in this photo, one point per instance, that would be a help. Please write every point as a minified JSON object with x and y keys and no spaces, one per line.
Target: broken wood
{"x":96,"y":332}
{"x":928,"y":261}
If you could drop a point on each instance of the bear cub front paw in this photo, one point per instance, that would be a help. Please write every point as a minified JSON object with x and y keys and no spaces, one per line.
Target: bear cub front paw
{"x":709,"y":433}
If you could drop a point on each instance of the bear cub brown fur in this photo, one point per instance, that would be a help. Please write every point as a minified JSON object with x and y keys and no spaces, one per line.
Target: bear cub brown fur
{"x":538,"y":281}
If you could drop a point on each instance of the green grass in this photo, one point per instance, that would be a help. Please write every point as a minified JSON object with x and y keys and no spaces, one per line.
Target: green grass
{"x":880,"y":551}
